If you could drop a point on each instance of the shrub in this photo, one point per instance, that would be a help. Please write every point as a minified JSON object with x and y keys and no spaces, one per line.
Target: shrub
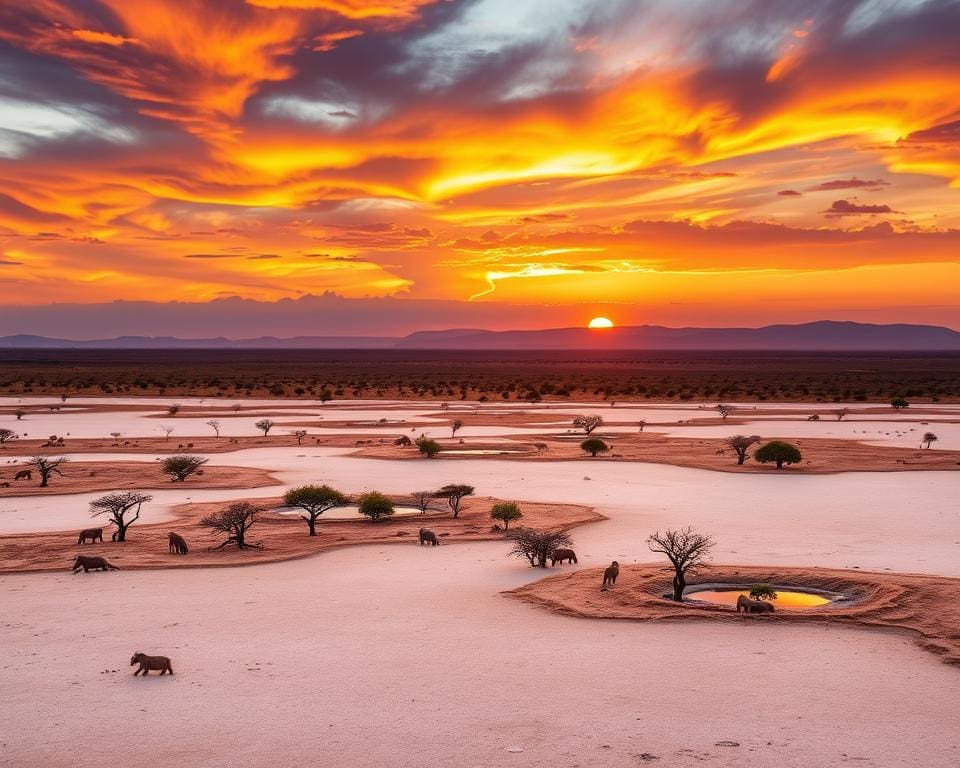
{"x":375,"y":505}
{"x":536,"y":546}
{"x":181,"y":466}
{"x":763,"y":592}
{"x":899,"y":403}
{"x":594,"y":446}
{"x":506,"y":511}
{"x":778,"y":452}
{"x":428,"y":447}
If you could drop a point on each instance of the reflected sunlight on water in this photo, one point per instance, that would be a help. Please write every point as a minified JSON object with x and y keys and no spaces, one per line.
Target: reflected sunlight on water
{"x":785,"y":598}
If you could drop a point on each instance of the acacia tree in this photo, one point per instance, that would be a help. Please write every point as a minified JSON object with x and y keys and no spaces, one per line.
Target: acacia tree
{"x":46,"y":467}
{"x":7,"y":435}
{"x":505,"y":511}
{"x":299,"y":434}
{"x":928,"y":438}
{"x":536,"y":546}
{"x":594,"y":446}
{"x":840,"y":413}
{"x":685,"y":549}
{"x":167,"y":431}
{"x":117,"y":506}
{"x":740,"y":443}
{"x":181,"y":466}
{"x":314,"y":500}
{"x":235,"y":520}
{"x":454,"y":494}
{"x":265,"y":425}
{"x":215,"y":426}
{"x":422,"y":499}
{"x":455,"y":427}
{"x":763,"y":592}
{"x":588,"y":423}
{"x":375,"y":505}
{"x":778,"y":452}
{"x":642,"y":423}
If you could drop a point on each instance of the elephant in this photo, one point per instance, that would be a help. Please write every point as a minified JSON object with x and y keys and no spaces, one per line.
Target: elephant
{"x":753,"y":606}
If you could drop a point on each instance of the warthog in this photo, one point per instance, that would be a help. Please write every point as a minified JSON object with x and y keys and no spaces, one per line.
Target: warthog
{"x":753,"y":606}
{"x":147,"y":663}
{"x":94,"y":534}
{"x":92,"y":564}
{"x":23,"y":474}
{"x":610,"y":574}
{"x":561,"y":555}
{"x":178,"y":545}
{"x":428,"y":537}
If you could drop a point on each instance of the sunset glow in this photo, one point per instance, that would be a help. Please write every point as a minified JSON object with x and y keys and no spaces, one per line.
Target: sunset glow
{"x":600,"y":322}
{"x":730,"y":163}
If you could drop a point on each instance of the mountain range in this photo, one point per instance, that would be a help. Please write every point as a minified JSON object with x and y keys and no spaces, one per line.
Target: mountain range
{"x":824,"y":335}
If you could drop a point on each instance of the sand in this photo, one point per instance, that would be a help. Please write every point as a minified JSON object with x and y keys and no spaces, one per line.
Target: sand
{"x":396,"y":655}
{"x":401,"y":656}
{"x":281,"y":537}
{"x":925,"y":607}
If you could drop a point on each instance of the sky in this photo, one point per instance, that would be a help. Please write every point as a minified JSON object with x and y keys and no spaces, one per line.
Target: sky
{"x":384,"y":166}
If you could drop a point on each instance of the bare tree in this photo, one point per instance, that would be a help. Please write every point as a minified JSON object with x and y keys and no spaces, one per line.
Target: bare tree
{"x":929,"y":438}
{"x":265,"y":425}
{"x":167,"y":431}
{"x":455,"y":427}
{"x":6,"y":435}
{"x":422,"y":499}
{"x":588,"y":423}
{"x":454,"y":494}
{"x":215,"y":426}
{"x":740,"y":444}
{"x":314,"y":500}
{"x":181,"y":466}
{"x":724,"y":410}
{"x":47,"y":467}
{"x":536,"y":546}
{"x":116,"y":506}
{"x":686,"y":549}
{"x":299,"y":434}
{"x":840,"y":413}
{"x":234,"y":520}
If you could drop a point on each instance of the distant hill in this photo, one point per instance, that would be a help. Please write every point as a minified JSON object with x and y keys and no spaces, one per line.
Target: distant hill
{"x":824,"y":335}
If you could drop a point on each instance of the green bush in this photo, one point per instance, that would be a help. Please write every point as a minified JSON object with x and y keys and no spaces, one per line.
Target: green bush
{"x":594,"y":446}
{"x":777,"y":452}
{"x":375,"y":505}
{"x":506,"y":511}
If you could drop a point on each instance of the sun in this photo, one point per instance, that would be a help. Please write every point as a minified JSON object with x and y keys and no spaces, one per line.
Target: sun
{"x":600,"y":322}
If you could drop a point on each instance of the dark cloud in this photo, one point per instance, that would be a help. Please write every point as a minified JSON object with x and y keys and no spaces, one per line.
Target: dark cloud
{"x":852,"y":183}
{"x":848,"y":208}
{"x":789,"y":193}
{"x":210,"y":256}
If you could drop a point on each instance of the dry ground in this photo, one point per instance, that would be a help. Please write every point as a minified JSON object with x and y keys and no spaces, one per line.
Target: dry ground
{"x":924,"y":606}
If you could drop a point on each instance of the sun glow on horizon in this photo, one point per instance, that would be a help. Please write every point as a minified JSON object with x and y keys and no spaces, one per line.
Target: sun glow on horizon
{"x":600,"y":322}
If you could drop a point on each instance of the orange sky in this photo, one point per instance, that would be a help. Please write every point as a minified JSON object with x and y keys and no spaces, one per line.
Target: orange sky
{"x":684,"y":162}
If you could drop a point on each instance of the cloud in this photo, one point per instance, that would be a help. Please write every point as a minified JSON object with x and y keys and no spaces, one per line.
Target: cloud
{"x":789,"y":193}
{"x":847,"y":208}
{"x":852,"y":183}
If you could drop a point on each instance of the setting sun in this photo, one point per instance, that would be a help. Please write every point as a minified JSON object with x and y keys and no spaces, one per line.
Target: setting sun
{"x":600,"y":322}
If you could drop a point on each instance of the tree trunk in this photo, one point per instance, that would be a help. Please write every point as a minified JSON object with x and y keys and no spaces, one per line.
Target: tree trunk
{"x":43,"y":481}
{"x":679,"y":584}
{"x":121,"y":533}
{"x":779,"y":463}
{"x":312,"y":525}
